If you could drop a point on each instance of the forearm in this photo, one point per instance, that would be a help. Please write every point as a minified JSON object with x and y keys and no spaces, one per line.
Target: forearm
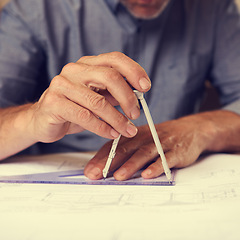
{"x":219,"y":131}
{"x":14,"y":130}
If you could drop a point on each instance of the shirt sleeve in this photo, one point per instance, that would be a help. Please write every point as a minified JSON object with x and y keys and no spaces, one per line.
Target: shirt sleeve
{"x":21,"y":57}
{"x":225,"y":74}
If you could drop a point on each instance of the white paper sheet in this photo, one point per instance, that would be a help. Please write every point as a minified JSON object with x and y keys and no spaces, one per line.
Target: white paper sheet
{"x":204,"y":204}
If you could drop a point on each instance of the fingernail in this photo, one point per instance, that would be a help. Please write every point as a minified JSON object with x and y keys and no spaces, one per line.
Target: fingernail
{"x":135,"y":113}
{"x":131,"y":129}
{"x":114,"y":133}
{"x":144,"y":83}
{"x":122,"y":172}
{"x":94,"y":172}
{"x":148,"y":172}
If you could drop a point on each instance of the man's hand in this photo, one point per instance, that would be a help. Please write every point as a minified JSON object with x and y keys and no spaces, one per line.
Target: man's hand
{"x":183,"y":140}
{"x":83,"y":97}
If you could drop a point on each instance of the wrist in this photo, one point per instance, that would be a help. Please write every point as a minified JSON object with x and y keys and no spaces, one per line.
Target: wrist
{"x":219,"y":131}
{"x":15,"y":135}
{"x":22,"y":122}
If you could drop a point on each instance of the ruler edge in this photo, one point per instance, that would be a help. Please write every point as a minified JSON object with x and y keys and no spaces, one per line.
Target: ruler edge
{"x":27,"y":178}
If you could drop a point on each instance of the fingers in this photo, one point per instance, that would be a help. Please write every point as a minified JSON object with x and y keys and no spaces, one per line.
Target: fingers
{"x":74,"y":91}
{"x":71,"y":103}
{"x":125,"y":149}
{"x":178,"y":139}
{"x":89,"y":109}
{"x":93,"y":169}
{"x":105,"y":78}
{"x":147,"y":155}
{"x":156,"y":168}
{"x":113,"y":68}
{"x":128,"y":68}
{"x":128,"y":161}
{"x":138,"y":160}
{"x":64,"y":112}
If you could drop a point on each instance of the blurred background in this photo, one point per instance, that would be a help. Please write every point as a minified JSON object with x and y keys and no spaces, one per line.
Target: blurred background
{"x":3,"y":2}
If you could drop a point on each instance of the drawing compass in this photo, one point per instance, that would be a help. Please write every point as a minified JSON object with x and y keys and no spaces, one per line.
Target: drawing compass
{"x":148,"y":116}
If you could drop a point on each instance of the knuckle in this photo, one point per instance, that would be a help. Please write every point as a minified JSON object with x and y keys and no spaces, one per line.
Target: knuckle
{"x":97,"y":102}
{"x":111,"y":75}
{"x":117,"y":55}
{"x":57,"y":81}
{"x":120,"y":120}
{"x":84,"y":115}
{"x":83,"y":59}
{"x":169,"y":140}
{"x":68,"y":68}
{"x":59,"y":84}
{"x":101,"y":127}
